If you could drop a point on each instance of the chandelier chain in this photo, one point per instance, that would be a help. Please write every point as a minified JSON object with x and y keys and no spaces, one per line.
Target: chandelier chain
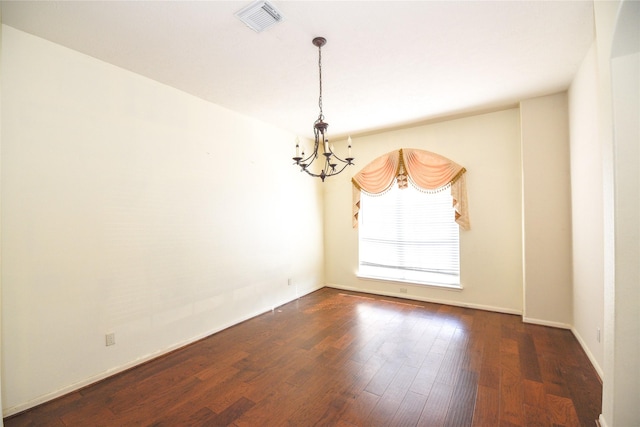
{"x":321,"y":116}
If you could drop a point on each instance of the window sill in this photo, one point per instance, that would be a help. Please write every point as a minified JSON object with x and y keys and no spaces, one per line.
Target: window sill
{"x":451,"y":287}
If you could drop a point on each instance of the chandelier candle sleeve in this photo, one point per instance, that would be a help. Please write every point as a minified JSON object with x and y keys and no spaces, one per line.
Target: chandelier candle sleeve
{"x":331,"y":160}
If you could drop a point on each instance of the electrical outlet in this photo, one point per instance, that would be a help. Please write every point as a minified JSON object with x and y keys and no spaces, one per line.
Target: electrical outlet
{"x":289,"y":282}
{"x":403,"y":290}
{"x":110,"y":339}
{"x":599,"y":334}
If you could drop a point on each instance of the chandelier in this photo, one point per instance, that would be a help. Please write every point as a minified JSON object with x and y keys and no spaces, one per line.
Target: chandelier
{"x":331,"y":161}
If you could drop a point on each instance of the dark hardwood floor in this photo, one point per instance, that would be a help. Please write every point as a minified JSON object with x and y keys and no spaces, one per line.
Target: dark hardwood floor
{"x":335,"y":358}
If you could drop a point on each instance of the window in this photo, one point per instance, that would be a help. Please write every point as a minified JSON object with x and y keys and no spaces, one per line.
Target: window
{"x":410,"y":236}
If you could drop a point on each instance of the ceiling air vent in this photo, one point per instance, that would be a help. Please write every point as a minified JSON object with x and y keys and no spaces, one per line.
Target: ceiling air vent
{"x":259,"y":15}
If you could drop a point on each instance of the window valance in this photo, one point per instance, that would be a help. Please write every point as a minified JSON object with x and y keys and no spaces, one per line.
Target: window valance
{"x":426,"y":170}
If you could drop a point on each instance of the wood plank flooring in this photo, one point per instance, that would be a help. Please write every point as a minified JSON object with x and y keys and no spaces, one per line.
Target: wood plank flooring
{"x":335,"y":358}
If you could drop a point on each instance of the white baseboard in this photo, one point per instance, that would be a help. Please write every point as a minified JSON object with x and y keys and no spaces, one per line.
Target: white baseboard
{"x":433,"y":300}
{"x":7,"y":412}
{"x":602,"y":421}
{"x":592,"y":359}
{"x":546,"y":323}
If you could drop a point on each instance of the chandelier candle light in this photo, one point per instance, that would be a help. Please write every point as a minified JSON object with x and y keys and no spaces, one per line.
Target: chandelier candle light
{"x":320,"y":130}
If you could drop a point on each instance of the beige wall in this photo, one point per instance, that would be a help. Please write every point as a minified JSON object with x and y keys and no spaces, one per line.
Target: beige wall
{"x":620,"y":382}
{"x":622,"y":304}
{"x":605,"y":127}
{"x":587,"y":211}
{"x":546,"y":213}
{"x":626,"y":305}
{"x":134,"y":208}
{"x":122,"y":212}
{"x":488,"y":146}
{"x":1,"y":422}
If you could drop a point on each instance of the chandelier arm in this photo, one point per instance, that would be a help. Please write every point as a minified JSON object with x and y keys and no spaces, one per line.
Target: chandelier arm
{"x":315,"y":175}
{"x":339,"y":171}
{"x":311,"y":156}
{"x":347,"y":160}
{"x":314,"y":155}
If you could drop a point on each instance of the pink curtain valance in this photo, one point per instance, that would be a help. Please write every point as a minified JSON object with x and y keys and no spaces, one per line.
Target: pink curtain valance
{"x":428,"y":171}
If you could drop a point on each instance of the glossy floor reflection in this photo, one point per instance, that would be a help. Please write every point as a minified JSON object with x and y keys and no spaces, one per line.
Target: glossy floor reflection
{"x":339,"y":358}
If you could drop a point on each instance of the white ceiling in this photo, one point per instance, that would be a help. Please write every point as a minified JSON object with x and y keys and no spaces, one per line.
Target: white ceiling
{"x":385,"y":64}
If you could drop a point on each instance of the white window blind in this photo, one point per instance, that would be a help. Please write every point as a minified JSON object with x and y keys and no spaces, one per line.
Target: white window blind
{"x":410,"y":236}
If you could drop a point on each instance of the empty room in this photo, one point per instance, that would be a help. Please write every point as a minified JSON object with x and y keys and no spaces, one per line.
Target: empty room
{"x":350,"y":213}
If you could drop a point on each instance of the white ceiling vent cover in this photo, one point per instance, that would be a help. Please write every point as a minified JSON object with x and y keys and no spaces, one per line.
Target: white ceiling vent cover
{"x":259,"y":15}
